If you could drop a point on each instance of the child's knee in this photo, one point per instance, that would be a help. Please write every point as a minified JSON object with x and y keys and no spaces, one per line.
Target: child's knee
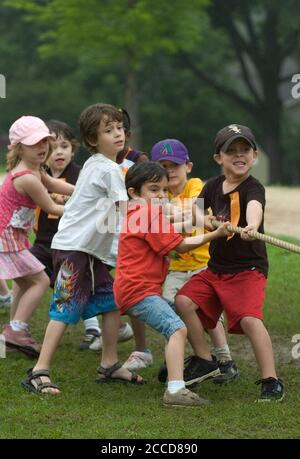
{"x":183,"y":304}
{"x":181,"y":332}
{"x":249,"y":323}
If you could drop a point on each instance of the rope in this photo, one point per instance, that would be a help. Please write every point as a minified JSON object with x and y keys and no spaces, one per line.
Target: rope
{"x":262,"y":237}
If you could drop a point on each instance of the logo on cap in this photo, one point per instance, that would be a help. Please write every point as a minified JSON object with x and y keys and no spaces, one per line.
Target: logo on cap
{"x":166,"y":149}
{"x":234,"y":128}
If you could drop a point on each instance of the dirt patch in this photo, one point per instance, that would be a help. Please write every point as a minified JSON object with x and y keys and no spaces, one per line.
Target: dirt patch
{"x":282,"y":215}
{"x":282,"y":348}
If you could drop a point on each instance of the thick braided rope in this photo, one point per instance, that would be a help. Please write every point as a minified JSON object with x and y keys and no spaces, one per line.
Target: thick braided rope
{"x":263,"y":237}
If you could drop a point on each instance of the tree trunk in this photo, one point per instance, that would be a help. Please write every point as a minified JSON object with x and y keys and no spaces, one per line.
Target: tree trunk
{"x":132,"y":106}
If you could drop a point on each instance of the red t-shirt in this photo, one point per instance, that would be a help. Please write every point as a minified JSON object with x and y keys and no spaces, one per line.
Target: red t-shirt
{"x":142,"y":265}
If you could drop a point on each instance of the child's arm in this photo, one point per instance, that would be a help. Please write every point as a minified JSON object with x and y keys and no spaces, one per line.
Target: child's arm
{"x":254,"y":215}
{"x":56,"y":185}
{"x":31,"y":185}
{"x":193,"y":242}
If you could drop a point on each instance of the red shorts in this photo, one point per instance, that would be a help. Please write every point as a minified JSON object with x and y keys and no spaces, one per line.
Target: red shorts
{"x":239,"y":295}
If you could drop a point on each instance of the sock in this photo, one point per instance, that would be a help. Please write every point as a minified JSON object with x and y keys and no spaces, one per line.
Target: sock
{"x":93,"y":324}
{"x":222,"y":353}
{"x":17,"y":325}
{"x":175,"y":386}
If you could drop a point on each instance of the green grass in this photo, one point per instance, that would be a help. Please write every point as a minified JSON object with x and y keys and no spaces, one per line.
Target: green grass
{"x":85,"y":409}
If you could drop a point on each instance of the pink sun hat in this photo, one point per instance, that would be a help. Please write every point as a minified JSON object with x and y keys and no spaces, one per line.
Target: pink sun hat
{"x":28,"y":130}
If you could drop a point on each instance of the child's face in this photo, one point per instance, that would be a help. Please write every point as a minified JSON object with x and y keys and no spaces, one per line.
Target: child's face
{"x":35,"y":154}
{"x":238,"y":159}
{"x":151,"y":190}
{"x":177,"y":172}
{"x":111,"y":138}
{"x":61,"y":155}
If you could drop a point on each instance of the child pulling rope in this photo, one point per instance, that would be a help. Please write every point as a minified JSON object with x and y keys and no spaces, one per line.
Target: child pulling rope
{"x":263,"y":237}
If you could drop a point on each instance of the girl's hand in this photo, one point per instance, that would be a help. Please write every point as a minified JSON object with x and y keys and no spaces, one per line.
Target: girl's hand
{"x":59,"y":198}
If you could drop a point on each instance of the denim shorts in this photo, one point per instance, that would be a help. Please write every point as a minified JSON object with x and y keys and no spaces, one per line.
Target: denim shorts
{"x":158,"y":313}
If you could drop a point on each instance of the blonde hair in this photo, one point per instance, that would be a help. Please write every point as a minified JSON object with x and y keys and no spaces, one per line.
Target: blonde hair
{"x":13,"y":157}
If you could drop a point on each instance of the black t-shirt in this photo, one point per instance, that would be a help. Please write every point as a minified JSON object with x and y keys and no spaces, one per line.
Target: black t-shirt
{"x":235,"y":255}
{"x":47,"y":225}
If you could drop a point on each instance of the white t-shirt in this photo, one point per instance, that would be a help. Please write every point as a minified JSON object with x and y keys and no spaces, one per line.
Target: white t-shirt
{"x":111,"y":259}
{"x":83,"y":226}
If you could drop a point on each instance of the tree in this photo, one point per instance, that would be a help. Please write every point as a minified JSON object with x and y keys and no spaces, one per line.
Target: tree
{"x":262,"y":34}
{"x":106,"y":32}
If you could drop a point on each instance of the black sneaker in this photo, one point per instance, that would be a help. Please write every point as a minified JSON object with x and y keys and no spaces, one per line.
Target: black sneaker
{"x":91,"y":340}
{"x":229,"y":372}
{"x":162,"y":374}
{"x":199,"y":369}
{"x":271,"y":389}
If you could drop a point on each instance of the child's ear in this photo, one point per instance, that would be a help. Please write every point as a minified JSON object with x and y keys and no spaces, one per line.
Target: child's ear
{"x":217,"y":158}
{"x":189,"y":167}
{"x":132,"y":193}
{"x":92,"y":142}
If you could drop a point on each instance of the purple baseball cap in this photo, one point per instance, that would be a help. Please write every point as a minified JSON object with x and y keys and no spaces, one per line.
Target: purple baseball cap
{"x":170,"y":150}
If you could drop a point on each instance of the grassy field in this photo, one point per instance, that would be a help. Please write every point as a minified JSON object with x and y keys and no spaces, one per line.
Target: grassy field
{"x":88,"y":410}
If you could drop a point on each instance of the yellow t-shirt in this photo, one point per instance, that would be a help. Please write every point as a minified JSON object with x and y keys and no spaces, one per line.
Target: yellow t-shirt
{"x":196,"y":258}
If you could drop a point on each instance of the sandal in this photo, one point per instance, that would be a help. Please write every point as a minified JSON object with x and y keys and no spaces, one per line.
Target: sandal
{"x":105,"y":375}
{"x":36,"y":376}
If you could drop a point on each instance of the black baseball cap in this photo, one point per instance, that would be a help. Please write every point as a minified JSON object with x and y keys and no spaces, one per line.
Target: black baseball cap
{"x":229,"y":133}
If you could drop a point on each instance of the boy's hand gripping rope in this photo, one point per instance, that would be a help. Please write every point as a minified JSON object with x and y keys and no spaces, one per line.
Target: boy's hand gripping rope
{"x":263,"y":237}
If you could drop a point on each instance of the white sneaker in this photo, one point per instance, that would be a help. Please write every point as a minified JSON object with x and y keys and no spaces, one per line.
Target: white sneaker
{"x":125,"y":333}
{"x":5,"y":301}
{"x":138,"y":360}
{"x":92,"y":340}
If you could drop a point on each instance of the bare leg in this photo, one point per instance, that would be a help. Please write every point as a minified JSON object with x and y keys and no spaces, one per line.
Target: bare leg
{"x":3,"y":288}
{"x":31,"y":291}
{"x":261,"y":344}
{"x":110,"y":330}
{"x":217,"y":335}
{"x":53,"y":335}
{"x":187,"y":310}
{"x":139,"y":334}
{"x":174,"y":354}
{"x":17,"y":293}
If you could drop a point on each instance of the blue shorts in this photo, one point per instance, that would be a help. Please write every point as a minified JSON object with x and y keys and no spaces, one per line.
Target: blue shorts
{"x":158,"y":313}
{"x":83,"y":287}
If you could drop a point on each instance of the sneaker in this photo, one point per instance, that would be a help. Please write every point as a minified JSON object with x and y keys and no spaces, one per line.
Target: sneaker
{"x":91,"y":340}
{"x":271,"y":389}
{"x":138,"y":360}
{"x":198,"y":369}
{"x":21,"y":340}
{"x":229,"y":372}
{"x":125,"y":333}
{"x":162,"y":374}
{"x":5,"y":301}
{"x":183,"y":397}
